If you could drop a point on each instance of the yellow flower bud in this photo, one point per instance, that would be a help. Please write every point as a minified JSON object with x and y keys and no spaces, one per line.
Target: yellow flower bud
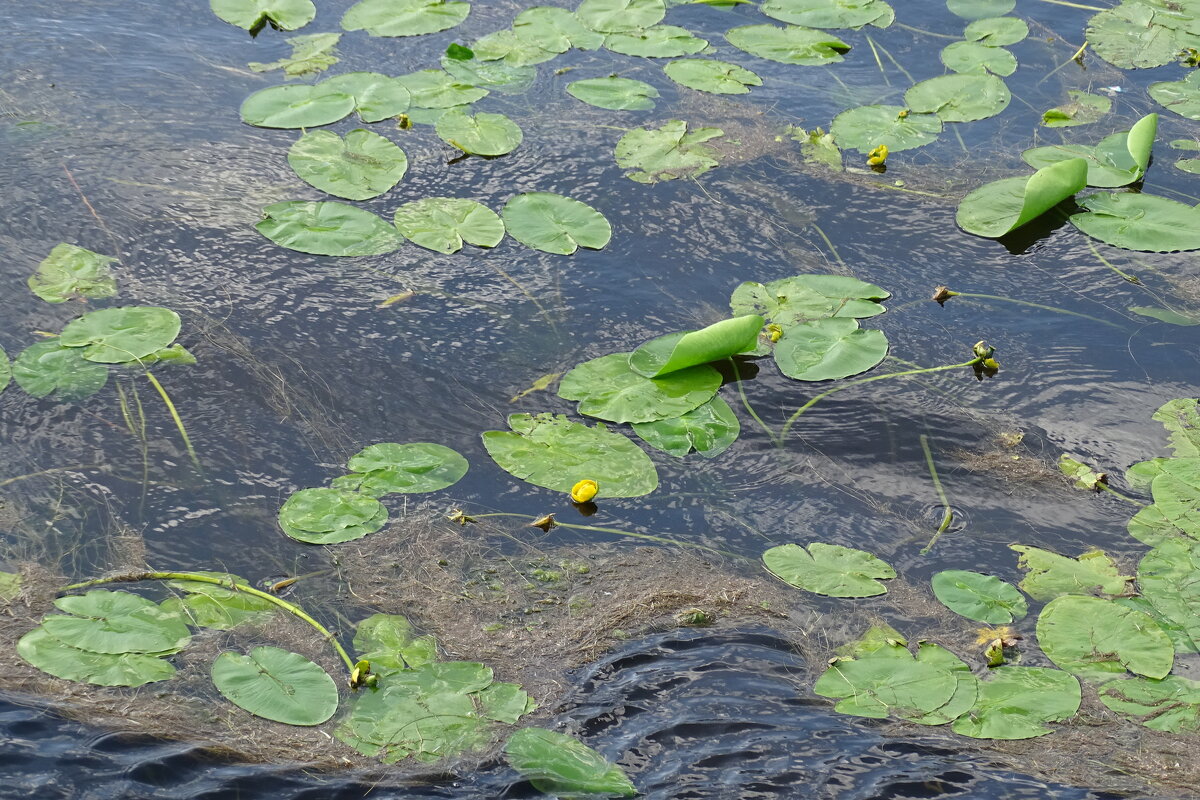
{"x":878,"y":156}
{"x":584,"y":490}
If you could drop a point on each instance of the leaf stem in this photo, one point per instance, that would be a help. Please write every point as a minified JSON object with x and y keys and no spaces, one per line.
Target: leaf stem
{"x":1055,"y":309}
{"x":1106,"y":488}
{"x":187,"y":442}
{"x":948,"y":514}
{"x":601,"y":529}
{"x":749,"y":409}
{"x":1110,"y":265}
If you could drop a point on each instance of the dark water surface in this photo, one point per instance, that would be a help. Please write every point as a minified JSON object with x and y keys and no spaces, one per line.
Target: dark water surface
{"x":119,"y":132}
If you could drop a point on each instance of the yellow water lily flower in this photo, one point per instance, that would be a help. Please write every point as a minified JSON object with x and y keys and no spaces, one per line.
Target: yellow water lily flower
{"x":584,"y":490}
{"x":878,"y":156}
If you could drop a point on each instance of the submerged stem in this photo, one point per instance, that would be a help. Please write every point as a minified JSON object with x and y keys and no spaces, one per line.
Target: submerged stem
{"x":1055,"y":309}
{"x":187,"y":442}
{"x":948,"y":515}
{"x":1106,"y":488}
{"x":1110,"y":265}
{"x":746,"y":404}
{"x":601,"y":529}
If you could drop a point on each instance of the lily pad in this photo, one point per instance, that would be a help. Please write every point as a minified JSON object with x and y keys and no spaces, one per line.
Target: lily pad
{"x":1182,"y":97}
{"x":118,"y":335}
{"x":1083,"y":109}
{"x":801,"y":298}
{"x":359,"y":167}
{"x":966,"y":691}
{"x":329,"y":516}
{"x":1171,"y":704}
{"x":959,"y":98}
{"x":1117,"y":160}
{"x":444,"y":223}
{"x":677,"y":351}
{"x":1084,"y":476}
{"x":978,"y":58}
{"x":389,"y":643}
{"x":564,"y":767}
{"x":880,"y":685}
{"x":996,"y":31}
{"x":102,"y":621}
{"x":979,"y":9}
{"x":404,"y":17}
{"x":1137,"y":34}
{"x":6,"y":370}
{"x":277,"y":685}
{"x":829,"y":569}
{"x":1169,"y":579}
{"x":327,"y":229}
{"x":789,"y":45}
{"x":614,"y":16}
{"x":209,"y":606}
{"x":1097,"y":639}
{"x":500,"y":76}
{"x":436,"y":88}
{"x":1002,"y":206}
{"x":709,"y":430}
{"x":618,"y":94}
{"x":712,"y":76}
{"x":311,"y":53}
{"x":481,"y":134}
{"x":395,"y":722}
{"x":287,"y":15}
{"x":48,"y":368}
{"x":1051,"y":575}
{"x":1181,"y":418}
{"x":555,"y":29}
{"x":831,"y":13}
{"x":71,"y":272}
{"x":550,"y":451}
{"x":666,"y":153}
{"x":388,"y":468}
{"x":1017,"y":702}
{"x":983,"y":598}
{"x":376,"y":96}
{"x":607,"y":388}
{"x":828,"y":349}
{"x":296,"y":105}
{"x":50,"y":655}
{"x":659,"y":41}
{"x":555,"y":224}
{"x":505,"y":47}
{"x":867,"y":127}
{"x":1140,"y":222}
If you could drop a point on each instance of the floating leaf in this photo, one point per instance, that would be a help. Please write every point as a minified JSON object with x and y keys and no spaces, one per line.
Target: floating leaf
{"x":830,"y":13}
{"x":552,"y":452}
{"x":327,"y":229}
{"x":666,"y":153}
{"x":1181,"y":418}
{"x":1051,"y":575}
{"x":359,"y":167}
{"x":959,"y":98}
{"x":1176,"y":508}
{"x":1140,"y":222}
{"x":1117,"y":160}
{"x":388,"y":642}
{"x":436,"y":88}
{"x":659,"y":41}
{"x":286,"y":15}
{"x":444,"y":223}
{"x":966,"y":691}
{"x":1169,"y":579}
{"x":49,"y":368}
{"x":101,"y":621}
{"x":710,"y":75}
{"x":311,"y":53}
{"x":481,"y":134}
{"x":978,"y":9}
{"x":978,"y":58}
{"x":828,"y":349}
{"x":6,"y":370}
{"x":277,"y":685}
{"x":1182,"y":97}
{"x":879,"y":685}
{"x":1171,"y":704}
{"x":404,"y":17}
{"x":564,"y":767}
{"x":618,"y":94}
{"x":216,"y":607}
{"x":1165,"y":314}
{"x":1176,"y":632}
{"x":296,"y":106}
{"x":117,"y":335}
{"x":329,"y":516}
{"x":505,"y":702}
{"x":709,"y":430}
{"x":403,"y":468}
{"x":791,"y":301}
{"x":555,"y":224}
{"x":818,"y":147}
{"x":613,"y":16}
{"x":1083,"y":109}
{"x":607,"y":388}
{"x":501,"y":76}
{"x":829,"y":569}
{"x":376,"y":96}
{"x":70,"y":272}
{"x":1096,"y":639}
{"x":867,"y":127}
{"x":555,"y":29}
{"x":996,"y":31}
{"x":983,"y":598}
{"x":1002,"y":206}
{"x":50,"y":655}
{"x":789,"y":45}
{"x":677,"y":351}
{"x":1137,"y":34}
{"x":506,"y":47}
{"x":1017,"y":702}
{"x":402,"y":721}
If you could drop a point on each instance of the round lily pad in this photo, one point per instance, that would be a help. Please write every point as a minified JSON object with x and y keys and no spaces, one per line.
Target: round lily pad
{"x":404,"y":17}
{"x":376,"y":96}
{"x":403,"y":468}
{"x":555,"y":224}
{"x":444,"y":223}
{"x":829,"y":569}
{"x":50,"y":655}
{"x":867,"y":127}
{"x":48,"y":368}
{"x":983,"y":598}
{"x":959,"y":98}
{"x":118,"y":335}
{"x":561,"y":766}
{"x":480,"y":134}
{"x":607,"y":388}
{"x":287,"y":15}
{"x":296,"y":106}
{"x":1097,"y":639}
{"x":711,"y":75}
{"x":436,"y":88}
{"x":359,"y":167}
{"x":102,"y":621}
{"x":789,"y":45}
{"x":329,"y":516}
{"x":660,"y":41}
{"x":618,"y":94}
{"x":277,"y":685}
{"x":327,"y":229}
{"x":611,"y":16}
{"x":828,"y":349}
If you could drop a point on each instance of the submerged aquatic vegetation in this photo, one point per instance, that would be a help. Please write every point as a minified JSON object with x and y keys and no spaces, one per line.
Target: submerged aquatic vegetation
{"x":71,"y":272}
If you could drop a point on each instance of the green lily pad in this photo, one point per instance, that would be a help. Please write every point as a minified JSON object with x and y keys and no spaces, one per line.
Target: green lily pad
{"x":819,"y":147}
{"x":444,"y":223}
{"x":436,"y":88}
{"x":709,"y":430}
{"x":388,"y":468}
{"x":659,"y":41}
{"x":1165,"y":314}
{"x":101,"y":621}
{"x":1176,"y":492}
{"x":614,"y":16}
{"x":117,"y":335}
{"x":1137,"y":34}
{"x":1117,"y":160}
{"x":1169,"y":579}
{"x":618,"y":94}
{"x":1051,"y":575}
{"x":311,"y":53}
{"x":216,"y":607}
{"x":677,"y":351}
{"x":712,"y":76}
{"x":359,"y":167}
{"x":555,"y":224}
{"x":327,"y":229}
{"x":979,"y":9}
{"x":983,"y":598}
{"x":6,"y":370}
{"x":389,"y":643}
{"x":666,"y":153}
{"x":286,"y":15}
{"x":828,"y":349}
{"x":277,"y":685}
{"x":1181,"y":418}
{"x":500,"y":76}
{"x":1083,"y":109}
{"x":561,"y":766}
{"x":959,"y":98}
{"x":329,"y":516}
{"x":505,"y":702}
{"x":1171,"y":704}
{"x":1182,"y":97}
{"x":50,"y":655}
{"x":1084,"y":476}
{"x":550,"y":451}
{"x":1002,"y":206}
{"x":48,"y":368}
{"x":866,"y":127}
{"x":481,"y":134}
{"x":296,"y":105}
{"x":830,"y":13}
{"x":966,"y":691}
{"x":1017,"y":702}
{"x":555,"y":30}
{"x":879,"y":685}
{"x":607,"y":388}
{"x":70,"y":272}
{"x":396,"y":722}
{"x":1097,"y":639}
{"x":789,"y":45}
{"x":829,"y":569}
{"x":404,"y":17}
{"x":1178,"y":635}
{"x":376,"y":96}
{"x":976,"y":58}
{"x":996,"y":31}
{"x":504,"y":46}
{"x":1140,"y":222}
{"x":803,"y":298}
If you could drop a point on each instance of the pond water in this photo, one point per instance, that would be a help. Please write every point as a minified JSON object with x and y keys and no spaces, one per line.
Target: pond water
{"x":120,"y":132}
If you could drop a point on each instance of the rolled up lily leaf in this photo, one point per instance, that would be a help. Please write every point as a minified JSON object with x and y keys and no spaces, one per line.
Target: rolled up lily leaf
{"x":1002,"y":206}
{"x":1117,"y":160}
{"x":677,"y":351}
